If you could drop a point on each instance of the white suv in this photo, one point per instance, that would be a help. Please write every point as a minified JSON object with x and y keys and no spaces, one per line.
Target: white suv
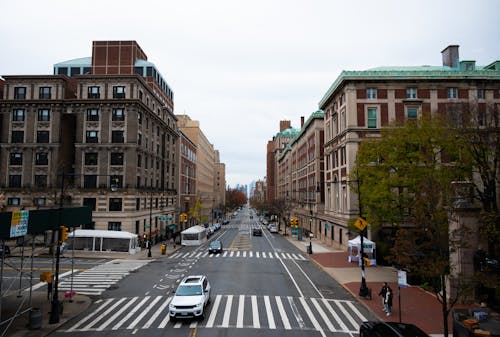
{"x":191,"y":297}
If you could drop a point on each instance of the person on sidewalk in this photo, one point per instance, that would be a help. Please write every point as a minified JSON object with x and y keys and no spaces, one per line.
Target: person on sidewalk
{"x":388,"y":301}
{"x":382,"y":293}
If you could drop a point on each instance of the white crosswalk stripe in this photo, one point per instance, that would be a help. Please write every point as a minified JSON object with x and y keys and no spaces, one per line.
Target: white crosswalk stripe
{"x":96,"y":280}
{"x":241,"y":254}
{"x":257,"y":312}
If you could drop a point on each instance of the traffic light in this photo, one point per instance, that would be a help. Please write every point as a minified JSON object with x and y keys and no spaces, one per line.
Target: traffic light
{"x":183,"y":217}
{"x":63,"y":233}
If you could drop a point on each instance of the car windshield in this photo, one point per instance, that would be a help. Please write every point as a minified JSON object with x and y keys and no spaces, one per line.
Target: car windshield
{"x":215,"y":244}
{"x":189,"y":290}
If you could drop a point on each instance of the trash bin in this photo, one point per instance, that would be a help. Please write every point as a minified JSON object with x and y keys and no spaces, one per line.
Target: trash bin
{"x":163,"y":249}
{"x":35,"y":318}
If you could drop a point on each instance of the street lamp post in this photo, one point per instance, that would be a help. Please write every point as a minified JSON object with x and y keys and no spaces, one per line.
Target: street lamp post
{"x":363,"y":290}
{"x":150,"y":221}
{"x":55,"y":304}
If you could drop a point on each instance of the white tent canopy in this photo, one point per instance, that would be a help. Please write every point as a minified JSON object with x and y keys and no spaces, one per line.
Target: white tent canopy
{"x":103,"y":241}
{"x":369,"y":250}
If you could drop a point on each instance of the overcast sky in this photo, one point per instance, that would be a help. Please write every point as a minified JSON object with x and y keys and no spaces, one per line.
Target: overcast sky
{"x":239,"y":67}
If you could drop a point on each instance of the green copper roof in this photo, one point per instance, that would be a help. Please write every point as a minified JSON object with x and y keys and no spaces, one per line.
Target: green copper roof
{"x":413,"y":73}
{"x":290,"y":132}
{"x":318,"y":114}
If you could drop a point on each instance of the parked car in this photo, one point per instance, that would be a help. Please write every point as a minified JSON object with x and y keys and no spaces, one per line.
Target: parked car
{"x":210,"y":231}
{"x":191,"y":298}
{"x":225,"y":222}
{"x":257,"y":231}
{"x":215,"y":247}
{"x":273,"y":228}
{"x":389,"y":329}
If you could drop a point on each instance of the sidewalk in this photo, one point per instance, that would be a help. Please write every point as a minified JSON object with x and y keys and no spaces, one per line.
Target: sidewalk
{"x":418,"y":307}
{"x":36,"y":324}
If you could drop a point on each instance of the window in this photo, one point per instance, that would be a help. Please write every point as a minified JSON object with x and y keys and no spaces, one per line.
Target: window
{"x":91,"y":158}
{"x":93,"y":92}
{"x":92,"y":137}
{"x":115,"y":204}
{"x":452,"y":92}
{"x":116,"y":158}
{"x":20,"y":93}
{"x":139,"y":139}
{"x":114,"y":226}
{"x":40,"y":201}
{"x":139,"y":118}
{"x":43,"y":115}
{"x":17,"y":137}
{"x":372,"y":118}
{"x":18,"y":115}
{"x":16,"y":158}
{"x":480,"y":93}
{"x":42,"y":136}
{"x":371,"y":93}
{"x":90,"y":181}
{"x":411,"y":93}
{"x":42,"y":158}
{"x":14,"y":201}
{"x":139,"y":160}
{"x":137,"y":204}
{"x":40,"y":180}
{"x":117,"y":137}
{"x":92,"y":115}
{"x":342,"y":120}
{"x":411,"y":112}
{"x":118,"y":92}
{"x":116,"y":181}
{"x":44,"y":93}
{"x":90,"y":202}
{"x":15,"y":180}
{"x":118,"y":115}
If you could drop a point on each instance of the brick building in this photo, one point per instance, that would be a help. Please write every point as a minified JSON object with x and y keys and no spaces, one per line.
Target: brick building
{"x":360,"y":103}
{"x":102,"y":131}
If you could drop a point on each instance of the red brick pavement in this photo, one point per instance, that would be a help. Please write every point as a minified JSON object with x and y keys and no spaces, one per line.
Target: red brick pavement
{"x":417,"y":306}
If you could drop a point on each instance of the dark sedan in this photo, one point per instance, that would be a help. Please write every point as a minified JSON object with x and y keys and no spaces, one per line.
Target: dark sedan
{"x":390,"y":329}
{"x":215,"y":247}
{"x":257,"y":231}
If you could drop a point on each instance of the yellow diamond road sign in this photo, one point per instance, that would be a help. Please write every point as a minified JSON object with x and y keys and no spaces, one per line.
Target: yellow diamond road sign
{"x":360,"y":223}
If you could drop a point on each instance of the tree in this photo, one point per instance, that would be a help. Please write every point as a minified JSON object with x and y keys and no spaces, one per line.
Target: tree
{"x":405,"y":182}
{"x":235,"y":198}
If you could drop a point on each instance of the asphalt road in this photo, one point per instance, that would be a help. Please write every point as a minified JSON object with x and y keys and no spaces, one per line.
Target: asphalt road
{"x":261,"y":286}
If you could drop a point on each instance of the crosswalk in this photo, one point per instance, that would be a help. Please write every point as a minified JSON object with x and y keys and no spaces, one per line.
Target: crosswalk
{"x":96,"y":280}
{"x":240,"y":254}
{"x":227,"y":311}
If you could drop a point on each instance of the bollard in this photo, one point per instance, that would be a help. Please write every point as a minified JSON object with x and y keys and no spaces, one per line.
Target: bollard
{"x":163,"y":249}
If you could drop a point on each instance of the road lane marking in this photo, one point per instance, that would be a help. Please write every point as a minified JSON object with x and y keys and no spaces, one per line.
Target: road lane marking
{"x":311,"y":316}
{"x":323,"y":315}
{"x":270,"y":317}
{"x":106,"y":302}
{"x":211,"y":319}
{"x":284,"y":317}
{"x":144,"y":312}
{"x":118,"y":313}
{"x":296,"y":313}
{"x":130,"y":314}
{"x":356,"y":311}
{"x":335,"y":315}
{"x":241,"y":310}
{"x":157,"y":313}
{"x":255,"y":313}
{"x":346,"y":314}
{"x":227,"y":312}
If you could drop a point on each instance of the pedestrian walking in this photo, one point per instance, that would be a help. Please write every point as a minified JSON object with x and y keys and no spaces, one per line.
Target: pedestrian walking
{"x":388,"y":301}
{"x":382,"y":293}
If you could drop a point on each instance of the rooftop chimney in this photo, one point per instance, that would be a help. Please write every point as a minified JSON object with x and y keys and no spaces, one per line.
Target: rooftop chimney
{"x":450,"y":56}
{"x":284,"y":125}
{"x":301,"y":121}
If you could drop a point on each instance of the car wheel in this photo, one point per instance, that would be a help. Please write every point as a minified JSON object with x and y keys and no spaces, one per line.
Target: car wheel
{"x":173,"y":319}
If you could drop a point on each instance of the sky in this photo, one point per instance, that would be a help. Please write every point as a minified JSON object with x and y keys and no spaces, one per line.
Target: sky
{"x":239,"y":67}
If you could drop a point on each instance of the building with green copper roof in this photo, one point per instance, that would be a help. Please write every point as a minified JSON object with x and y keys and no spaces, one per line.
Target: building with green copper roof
{"x":359,"y":103}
